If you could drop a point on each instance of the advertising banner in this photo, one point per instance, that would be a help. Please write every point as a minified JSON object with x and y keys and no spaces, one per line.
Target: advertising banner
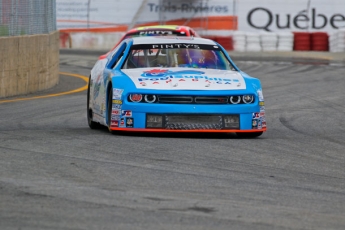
{"x":113,"y":13}
{"x":292,"y":15}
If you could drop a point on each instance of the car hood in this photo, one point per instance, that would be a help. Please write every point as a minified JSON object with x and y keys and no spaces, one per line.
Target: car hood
{"x":185,"y":79}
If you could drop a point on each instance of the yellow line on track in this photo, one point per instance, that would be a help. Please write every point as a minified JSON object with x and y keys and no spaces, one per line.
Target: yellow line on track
{"x":86,"y":79}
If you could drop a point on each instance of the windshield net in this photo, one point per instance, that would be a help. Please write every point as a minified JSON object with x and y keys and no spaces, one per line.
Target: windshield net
{"x":177,"y":55}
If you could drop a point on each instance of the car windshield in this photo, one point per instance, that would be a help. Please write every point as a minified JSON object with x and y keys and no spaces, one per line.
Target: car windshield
{"x":177,"y":55}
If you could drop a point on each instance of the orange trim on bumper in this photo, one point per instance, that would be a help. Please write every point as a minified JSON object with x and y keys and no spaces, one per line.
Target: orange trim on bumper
{"x":188,"y":131}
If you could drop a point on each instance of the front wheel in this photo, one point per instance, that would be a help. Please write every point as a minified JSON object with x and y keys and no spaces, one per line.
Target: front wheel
{"x":92,"y":124}
{"x":110,"y":108}
{"x":249,"y":135}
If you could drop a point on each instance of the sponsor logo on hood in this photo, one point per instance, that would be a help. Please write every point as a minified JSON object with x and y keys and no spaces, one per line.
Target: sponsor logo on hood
{"x":186,"y":79}
{"x":167,"y":75}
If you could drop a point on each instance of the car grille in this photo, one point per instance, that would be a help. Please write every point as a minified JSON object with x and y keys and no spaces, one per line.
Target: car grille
{"x":192,"y":99}
{"x":192,"y":122}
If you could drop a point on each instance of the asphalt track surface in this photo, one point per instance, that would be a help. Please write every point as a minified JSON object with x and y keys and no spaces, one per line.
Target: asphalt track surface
{"x":56,"y":173}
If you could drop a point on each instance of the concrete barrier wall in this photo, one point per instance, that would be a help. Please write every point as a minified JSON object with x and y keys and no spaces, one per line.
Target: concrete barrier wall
{"x":28,"y":63}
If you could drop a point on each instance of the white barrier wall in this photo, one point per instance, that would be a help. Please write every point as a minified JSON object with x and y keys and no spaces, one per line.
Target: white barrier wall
{"x":86,"y":40}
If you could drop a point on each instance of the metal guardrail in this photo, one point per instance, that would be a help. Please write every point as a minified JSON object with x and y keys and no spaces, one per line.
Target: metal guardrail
{"x":27,"y":17}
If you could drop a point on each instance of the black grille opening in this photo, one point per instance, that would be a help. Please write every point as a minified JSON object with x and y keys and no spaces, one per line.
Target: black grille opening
{"x":211,"y":100}
{"x":175,"y":99}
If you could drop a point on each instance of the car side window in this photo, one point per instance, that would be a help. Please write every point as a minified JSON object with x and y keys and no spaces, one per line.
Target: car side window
{"x":118,"y":60}
{"x":116,"y":57}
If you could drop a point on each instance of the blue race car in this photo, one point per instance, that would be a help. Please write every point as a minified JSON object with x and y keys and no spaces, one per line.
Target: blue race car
{"x":174,"y":84}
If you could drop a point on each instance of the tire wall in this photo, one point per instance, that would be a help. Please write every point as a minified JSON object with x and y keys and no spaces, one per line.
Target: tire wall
{"x":28,"y":63}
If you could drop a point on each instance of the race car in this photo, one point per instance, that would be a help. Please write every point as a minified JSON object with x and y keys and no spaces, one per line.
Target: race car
{"x":157,"y":30}
{"x":174,"y":84}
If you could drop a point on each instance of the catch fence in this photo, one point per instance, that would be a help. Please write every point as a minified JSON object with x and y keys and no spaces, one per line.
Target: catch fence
{"x":27,"y":17}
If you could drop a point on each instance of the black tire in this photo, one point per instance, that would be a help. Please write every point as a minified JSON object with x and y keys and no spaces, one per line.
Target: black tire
{"x":110,"y":107}
{"x":249,"y":135}
{"x":92,"y":124}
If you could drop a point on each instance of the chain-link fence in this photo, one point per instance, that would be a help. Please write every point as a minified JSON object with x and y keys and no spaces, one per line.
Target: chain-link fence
{"x":24,"y":17}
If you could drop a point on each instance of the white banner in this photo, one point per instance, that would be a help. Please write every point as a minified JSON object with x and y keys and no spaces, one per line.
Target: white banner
{"x":291,"y":15}
{"x":103,"y":13}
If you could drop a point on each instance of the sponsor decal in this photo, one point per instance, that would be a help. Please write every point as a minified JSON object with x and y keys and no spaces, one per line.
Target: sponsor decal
{"x":122,"y":122}
{"x":115,"y":117}
{"x":117,"y":93}
{"x":262,"y":114}
{"x":263,"y":124}
{"x":261,"y":96}
{"x":157,"y":75}
{"x":262,"y":108}
{"x":130,"y":122}
{"x":261,"y":103}
{"x":175,"y":46}
{"x":116,"y":106}
{"x":256,"y":115}
{"x":259,"y":124}
{"x":119,"y":102}
{"x":116,"y":112}
{"x":114,"y":124}
{"x":155,"y":32}
{"x":256,"y":124}
{"x":126,"y":113}
{"x":165,"y":72}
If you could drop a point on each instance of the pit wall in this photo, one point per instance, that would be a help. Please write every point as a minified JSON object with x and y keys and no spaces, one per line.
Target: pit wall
{"x":28,"y":63}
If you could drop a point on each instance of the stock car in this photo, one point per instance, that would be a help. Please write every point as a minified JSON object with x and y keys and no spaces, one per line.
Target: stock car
{"x":174,"y":84}
{"x":157,"y":30}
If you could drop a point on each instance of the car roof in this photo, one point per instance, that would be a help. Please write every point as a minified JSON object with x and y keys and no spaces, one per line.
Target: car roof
{"x":171,"y":40}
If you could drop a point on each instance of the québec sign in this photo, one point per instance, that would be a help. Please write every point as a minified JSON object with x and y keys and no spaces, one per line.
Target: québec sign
{"x":302,"y":20}
{"x":294,"y":15}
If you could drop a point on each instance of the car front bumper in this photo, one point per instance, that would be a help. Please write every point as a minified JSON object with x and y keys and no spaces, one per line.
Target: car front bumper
{"x":189,"y":118}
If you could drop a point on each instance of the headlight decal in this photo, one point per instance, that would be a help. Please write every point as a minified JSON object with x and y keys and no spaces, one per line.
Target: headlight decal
{"x":136,"y":97}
